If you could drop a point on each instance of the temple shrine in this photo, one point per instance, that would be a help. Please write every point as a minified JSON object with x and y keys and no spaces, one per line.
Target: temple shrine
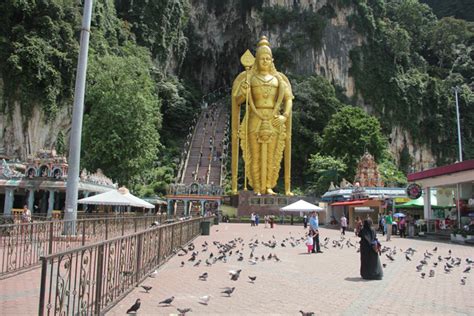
{"x":40,"y":182}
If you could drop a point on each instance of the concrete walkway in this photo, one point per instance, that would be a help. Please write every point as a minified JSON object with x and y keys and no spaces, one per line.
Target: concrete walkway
{"x":327,"y":283}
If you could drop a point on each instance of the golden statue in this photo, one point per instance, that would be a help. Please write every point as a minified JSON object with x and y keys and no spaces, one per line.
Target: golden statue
{"x":265,"y":131}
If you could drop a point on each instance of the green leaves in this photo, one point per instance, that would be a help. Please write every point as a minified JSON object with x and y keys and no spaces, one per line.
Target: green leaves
{"x":322,"y":171}
{"x":122,"y":118}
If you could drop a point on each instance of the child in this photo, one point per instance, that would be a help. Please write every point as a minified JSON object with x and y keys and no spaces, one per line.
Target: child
{"x":309,"y":241}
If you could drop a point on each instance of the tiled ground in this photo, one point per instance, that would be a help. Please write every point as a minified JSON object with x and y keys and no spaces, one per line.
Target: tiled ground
{"x":327,"y":283}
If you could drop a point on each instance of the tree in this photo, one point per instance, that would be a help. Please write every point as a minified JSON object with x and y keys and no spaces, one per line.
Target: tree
{"x":122,"y":117}
{"x":314,"y":104}
{"x":323,"y":170}
{"x":391,"y":176}
{"x":351,"y":132}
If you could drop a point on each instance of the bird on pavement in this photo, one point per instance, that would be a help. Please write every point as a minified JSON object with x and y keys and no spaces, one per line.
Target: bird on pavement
{"x":147,"y":288}
{"x":182,"y":264}
{"x":204,"y":299}
{"x":423,"y":275}
{"x":432,"y":273}
{"x":234,"y":275}
{"x":183,"y":311}
{"x":407,"y":257}
{"x":203,"y":277}
{"x":154,"y":274}
{"x":197,"y":263}
{"x":390,"y":257}
{"x":306,"y":313}
{"x":435,"y":249}
{"x":463,"y":281}
{"x":228,"y":291}
{"x":134,"y":308}
{"x":168,"y":301}
{"x":467,"y":270}
{"x":252,"y":278}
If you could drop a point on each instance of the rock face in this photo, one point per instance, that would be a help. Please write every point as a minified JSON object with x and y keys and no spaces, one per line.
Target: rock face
{"x":219,"y":32}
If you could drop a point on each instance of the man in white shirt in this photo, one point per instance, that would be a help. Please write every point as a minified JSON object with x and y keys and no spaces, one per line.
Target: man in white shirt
{"x":343,"y":224}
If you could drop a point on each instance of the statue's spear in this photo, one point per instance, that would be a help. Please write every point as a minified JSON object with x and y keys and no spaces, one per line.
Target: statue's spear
{"x":247,"y":61}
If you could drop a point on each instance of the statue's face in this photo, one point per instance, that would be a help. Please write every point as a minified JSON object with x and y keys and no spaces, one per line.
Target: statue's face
{"x":265,"y":62}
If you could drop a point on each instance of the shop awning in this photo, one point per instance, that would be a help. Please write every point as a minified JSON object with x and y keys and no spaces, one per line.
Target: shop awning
{"x":358,"y":202}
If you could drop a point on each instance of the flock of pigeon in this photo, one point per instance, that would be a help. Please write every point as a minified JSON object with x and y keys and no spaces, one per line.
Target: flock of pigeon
{"x":234,"y":250}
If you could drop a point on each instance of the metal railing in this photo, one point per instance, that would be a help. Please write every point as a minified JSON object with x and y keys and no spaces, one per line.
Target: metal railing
{"x":22,"y":245}
{"x":92,"y":279}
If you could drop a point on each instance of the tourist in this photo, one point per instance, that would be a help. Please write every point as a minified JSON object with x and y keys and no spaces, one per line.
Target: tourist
{"x":26,"y":215}
{"x":271,"y":221}
{"x":382,"y":225}
{"x":370,"y":267}
{"x":305,"y":221}
{"x":257,"y":219}
{"x":343,"y":224}
{"x":252,"y":219}
{"x":265,"y":218}
{"x":357,"y":226}
{"x":310,"y":241}
{"x":388,"y":223}
{"x":314,"y":225}
{"x":402,"y":227}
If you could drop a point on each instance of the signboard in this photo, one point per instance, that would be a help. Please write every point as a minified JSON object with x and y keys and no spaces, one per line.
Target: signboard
{"x":414,"y":191}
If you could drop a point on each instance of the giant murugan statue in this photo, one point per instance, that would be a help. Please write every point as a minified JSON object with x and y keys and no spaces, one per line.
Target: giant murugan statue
{"x":265,"y":131}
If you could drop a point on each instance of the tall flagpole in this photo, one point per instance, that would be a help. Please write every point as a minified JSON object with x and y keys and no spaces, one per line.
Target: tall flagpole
{"x":70,"y":212}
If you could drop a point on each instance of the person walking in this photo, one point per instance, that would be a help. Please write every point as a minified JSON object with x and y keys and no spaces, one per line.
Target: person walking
{"x":314,"y":225}
{"x":402,"y":226}
{"x":370,"y":267}
{"x":257,"y":219}
{"x":343,"y":224}
{"x":388,"y":223}
{"x":265,"y":218}
{"x":357,"y":225}
{"x":305,"y":221}
{"x":382,"y":225}
{"x":310,"y":241}
{"x":271,"y":221}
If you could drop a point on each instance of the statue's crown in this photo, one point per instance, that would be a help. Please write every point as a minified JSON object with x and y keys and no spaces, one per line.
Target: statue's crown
{"x":263,"y":42}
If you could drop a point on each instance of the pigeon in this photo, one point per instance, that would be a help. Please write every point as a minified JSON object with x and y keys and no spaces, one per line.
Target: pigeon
{"x":168,"y":301}
{"x":435,"y":249}
{"x":197,"y":263}
{"x":154,"y":274}
{"x":390,"y":257}
{"x":448,"y":265}
{"x":463,"y":281}
{"x":384,"y":265}
{"x":183,"y":311}
{"x":407,"y":257}
{"x":228,"y":291}
{"x":147,"y":288}
{"x":252,"y":261}
{"x":423,"y":275}
{"x":182,"y":264}
{"x":235,"y":275}
{"x":306,"y":313}
{"x":252,"y":279}
{"x":467,"y":270}
{"x":203,"y":277}
{"x":419,"y":267}
{"x":134,"y":308}
{"x":447,"y":270}
{"x":204,"y":299}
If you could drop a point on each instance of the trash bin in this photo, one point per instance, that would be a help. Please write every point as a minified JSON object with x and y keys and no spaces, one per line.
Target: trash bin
{"x":205,"y":228}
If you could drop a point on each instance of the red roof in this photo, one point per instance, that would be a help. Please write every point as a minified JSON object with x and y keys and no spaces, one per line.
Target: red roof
{"x":358,"y":202}
{"x":441,"y":171}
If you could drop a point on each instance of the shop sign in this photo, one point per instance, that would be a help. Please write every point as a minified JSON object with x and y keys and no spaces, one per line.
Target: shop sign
{"x":414,"y":191}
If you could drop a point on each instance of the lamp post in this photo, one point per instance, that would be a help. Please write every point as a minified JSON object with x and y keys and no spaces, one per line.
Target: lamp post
{"x":456,"y":90}
{"x":70,"y":211}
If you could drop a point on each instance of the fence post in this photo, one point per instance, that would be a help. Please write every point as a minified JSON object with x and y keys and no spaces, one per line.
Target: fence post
{"x":139,"y":258}
{"x":51,"y":234}
{"x":172,"y":237}
{"x":106,"y":228}
{"x":123,"y":225}
{"x":83,"y":232}
{"x":135,"y":223}
{"x":44,"y":270}
{"x":181,"y":234}
{"x":98,"y":278}
{"x":159,"y":245}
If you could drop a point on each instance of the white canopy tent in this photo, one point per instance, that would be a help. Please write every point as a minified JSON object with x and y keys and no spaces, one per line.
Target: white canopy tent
{"x":120,"y":197}
{"x":301,"y":206}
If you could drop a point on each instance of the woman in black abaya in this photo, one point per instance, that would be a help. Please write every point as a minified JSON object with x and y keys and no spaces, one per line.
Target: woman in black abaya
{"x":370,"y":267}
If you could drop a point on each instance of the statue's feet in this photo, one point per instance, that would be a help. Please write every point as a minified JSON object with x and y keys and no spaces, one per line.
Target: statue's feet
{"x":289,"y":193}
{"x":271,"y":192}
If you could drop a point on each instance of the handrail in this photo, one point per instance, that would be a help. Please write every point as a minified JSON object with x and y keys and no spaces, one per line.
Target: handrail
{"x":90,"y":280}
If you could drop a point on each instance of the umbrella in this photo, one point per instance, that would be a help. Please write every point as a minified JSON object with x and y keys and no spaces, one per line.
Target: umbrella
{"x":301,"y":206}
{"x":399,"y":215}
{"x":120,"y":197}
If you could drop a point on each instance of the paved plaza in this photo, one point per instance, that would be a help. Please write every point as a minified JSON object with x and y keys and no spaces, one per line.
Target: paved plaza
{"x":327,"y":283}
